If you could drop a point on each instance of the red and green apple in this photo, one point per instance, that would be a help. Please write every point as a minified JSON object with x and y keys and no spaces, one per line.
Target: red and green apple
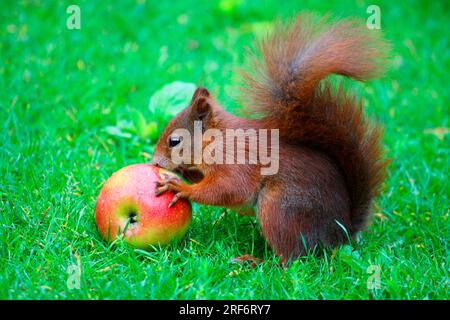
{"x":128,"y":205}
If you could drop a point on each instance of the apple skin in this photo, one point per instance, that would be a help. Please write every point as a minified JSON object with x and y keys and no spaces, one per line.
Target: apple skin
{"x":130,"y":193}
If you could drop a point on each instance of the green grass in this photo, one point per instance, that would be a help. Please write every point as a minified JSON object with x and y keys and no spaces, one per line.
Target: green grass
{"x":60,"y":89}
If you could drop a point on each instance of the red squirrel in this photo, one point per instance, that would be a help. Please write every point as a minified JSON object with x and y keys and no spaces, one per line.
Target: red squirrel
{"x":331,"y":160}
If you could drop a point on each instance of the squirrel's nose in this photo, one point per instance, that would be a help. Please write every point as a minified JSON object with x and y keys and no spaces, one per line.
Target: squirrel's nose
{"x":155,"y":162}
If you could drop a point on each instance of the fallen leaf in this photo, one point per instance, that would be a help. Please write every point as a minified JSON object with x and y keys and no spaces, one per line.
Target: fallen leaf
{"x":438,"y":132}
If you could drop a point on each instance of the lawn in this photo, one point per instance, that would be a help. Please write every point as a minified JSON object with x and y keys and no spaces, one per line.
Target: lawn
{"x":71,"y":110}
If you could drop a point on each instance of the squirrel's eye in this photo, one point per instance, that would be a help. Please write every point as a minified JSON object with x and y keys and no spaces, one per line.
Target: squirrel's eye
{"x":173,"y":141}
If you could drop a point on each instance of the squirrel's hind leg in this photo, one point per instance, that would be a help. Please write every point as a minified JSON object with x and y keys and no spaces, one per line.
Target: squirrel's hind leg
{"x":293,"y":222}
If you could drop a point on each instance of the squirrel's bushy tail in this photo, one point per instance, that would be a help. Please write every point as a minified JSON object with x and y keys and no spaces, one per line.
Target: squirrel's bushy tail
{"x":285,"y":86}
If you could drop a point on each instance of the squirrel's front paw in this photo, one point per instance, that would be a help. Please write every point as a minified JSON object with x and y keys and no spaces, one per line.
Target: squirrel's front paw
{"x":175,"y":185}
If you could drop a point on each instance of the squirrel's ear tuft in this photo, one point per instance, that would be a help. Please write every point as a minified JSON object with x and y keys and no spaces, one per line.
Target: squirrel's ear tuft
{"x":200,"y":92}
{"x":201,"y":108}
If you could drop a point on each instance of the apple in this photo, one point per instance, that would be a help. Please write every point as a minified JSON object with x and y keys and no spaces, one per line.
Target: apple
{"x":127,"y":204}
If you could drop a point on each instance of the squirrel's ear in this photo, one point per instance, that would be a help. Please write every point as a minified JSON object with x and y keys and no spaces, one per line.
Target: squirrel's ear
{"x":200,"y":92}
{"x":201,"y":108}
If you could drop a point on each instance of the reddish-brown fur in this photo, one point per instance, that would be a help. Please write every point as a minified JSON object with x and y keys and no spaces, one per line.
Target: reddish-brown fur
{"x":331,"y":159}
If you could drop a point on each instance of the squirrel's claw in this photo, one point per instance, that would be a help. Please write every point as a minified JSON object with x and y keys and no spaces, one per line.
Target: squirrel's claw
{"x":174,"y":185}
{"x":176,"y":197}
{"x":161,"y":187}
{"x":174,"y":200}
{"x":165,"y":185}
{"x":160,"y":190}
